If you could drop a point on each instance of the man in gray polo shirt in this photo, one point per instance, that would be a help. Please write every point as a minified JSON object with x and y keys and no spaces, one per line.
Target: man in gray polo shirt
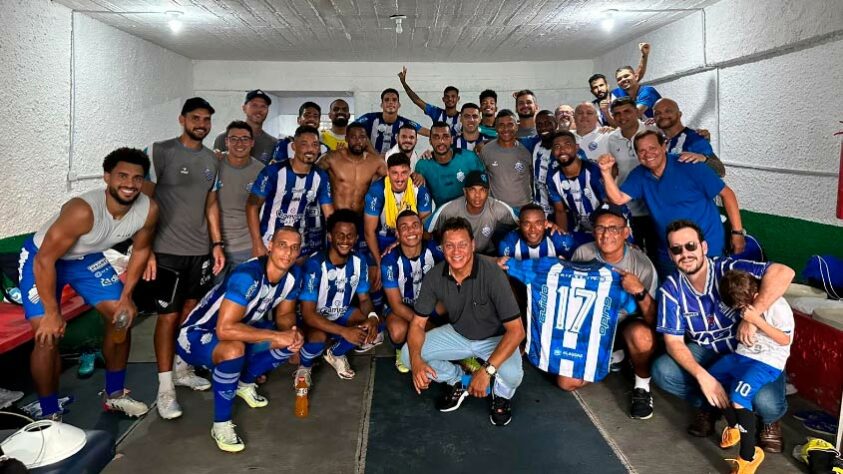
{"x":256,"y":109}
{"x":509,"y":164}
{"x":484,"y":322}
{"x":489,"y":218}
{"x":188,"y":246}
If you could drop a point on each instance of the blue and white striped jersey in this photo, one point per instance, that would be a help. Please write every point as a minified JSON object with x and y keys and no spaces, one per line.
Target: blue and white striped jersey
{"x":554,"y":244}
{"x":702,"y":317}
{"x":295,"y":200}
{"x":383,"y":135}
{"x":332,"y":287}
{"x":689,"y":140}
{"x":283,"y":150}
{"x":437,"y":114}
{"x":581,"y":195}
{"x":248,"y":286}
{"x":574,"y":310}
{"x":462,"y":143}
{"x":405,"y":273}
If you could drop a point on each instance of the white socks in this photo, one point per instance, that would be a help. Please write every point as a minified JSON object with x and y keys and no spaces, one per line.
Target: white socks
{"x":165,"y":382}
{"x":641,"y":382}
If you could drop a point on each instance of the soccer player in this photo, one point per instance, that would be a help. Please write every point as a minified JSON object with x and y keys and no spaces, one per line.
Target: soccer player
{"x":331,"y":279}
{"x":526,"y":106}
{"x":544,"y":164}
{"x":699,"y":329}
{"x":183,"y":180}
{"x":488,"y":110}
{"x":226,"y":331}
{"x":68,"y":250}
{"x":445,"y":173}
{"x":402,"y":270}
{"x":508,"y":163}
{"x":310,"y":114}
{"x":334,"y":137}
{"x":599,"y":87}
{"x":450,"y":98}
{"x":682,"y":139}
{"x":352,"y":170}
{"x":385,"y":200}
{"x":533,"y":239}
{"x":256,"y":109}
{"x":469,"y":135}
{"x":382,"y":127}
{"x":294,"y":193}
{"x":484,"y":322}
{"x":751,"y":367}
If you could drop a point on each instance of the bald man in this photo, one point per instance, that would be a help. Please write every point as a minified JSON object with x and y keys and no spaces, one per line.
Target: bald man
{"x":682,"y":140}
{"x":592,"y":139}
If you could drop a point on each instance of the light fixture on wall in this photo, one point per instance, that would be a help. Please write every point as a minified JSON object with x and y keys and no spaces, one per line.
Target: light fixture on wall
{"x":174,"y":22}
{"x":398,"y":19}
{"x":608,"y":21}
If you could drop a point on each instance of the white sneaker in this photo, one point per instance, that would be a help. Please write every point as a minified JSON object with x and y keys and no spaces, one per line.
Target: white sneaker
{"x":367,"y":347}
{"x":247,"y":392}
{"x":226,"y":438}
{"x":124,"y":404}
{"x":186,"y":377}
{"x":7,"y":397}
{"x":302,"y":372}
{"x":168,"y":406}
{"x":340,"y":364}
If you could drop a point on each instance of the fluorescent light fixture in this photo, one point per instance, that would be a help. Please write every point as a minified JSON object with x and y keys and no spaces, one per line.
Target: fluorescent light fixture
{"x":175,"y":21}
{"x":608,"y":21}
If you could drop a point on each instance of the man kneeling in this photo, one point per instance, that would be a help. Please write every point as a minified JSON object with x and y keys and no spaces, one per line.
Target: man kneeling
{"x":228,"y":331}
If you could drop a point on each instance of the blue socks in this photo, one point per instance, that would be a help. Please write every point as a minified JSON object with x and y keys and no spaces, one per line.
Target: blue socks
{"x":309,"y":352}
{"x":115,"y":381}
{"x":262,"y":362}
{"x":226,"y":375}
{"x":49,"y":404}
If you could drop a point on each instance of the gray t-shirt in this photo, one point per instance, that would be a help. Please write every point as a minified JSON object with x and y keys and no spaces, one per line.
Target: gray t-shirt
{"x":634,"y":261}
{"x":490,"y":226}
{"x":526,"y":132}
{"x":183,"y":178}
{"x":235,"y":184}
{"x":262,"y":149}
{"x":510,"y":172}
{"x":478,"y":307}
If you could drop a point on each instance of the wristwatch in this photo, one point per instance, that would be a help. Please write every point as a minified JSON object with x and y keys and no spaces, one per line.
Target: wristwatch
{"x":640,"y":295}
{"x":490,"y":369}
{"x":218,"y":243}
{"x":739,"y":232}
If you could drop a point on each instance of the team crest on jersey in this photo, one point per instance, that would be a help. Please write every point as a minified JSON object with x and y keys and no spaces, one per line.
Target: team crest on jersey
{"x":520,"y":167}
{"x":592,"y":146}
{"x":460,"y":176}
{"x":209,"y":175}
{"x":486,"y":231}
{"x":566,"y":185}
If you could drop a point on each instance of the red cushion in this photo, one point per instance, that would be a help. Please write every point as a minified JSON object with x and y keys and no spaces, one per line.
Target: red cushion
{"x":16,"y":330}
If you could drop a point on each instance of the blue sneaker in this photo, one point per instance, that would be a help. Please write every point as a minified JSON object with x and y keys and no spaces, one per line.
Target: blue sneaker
{"x":87,"y":363}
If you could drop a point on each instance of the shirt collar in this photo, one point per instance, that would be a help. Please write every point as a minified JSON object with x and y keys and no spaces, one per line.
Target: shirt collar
{"x":446,"y":269}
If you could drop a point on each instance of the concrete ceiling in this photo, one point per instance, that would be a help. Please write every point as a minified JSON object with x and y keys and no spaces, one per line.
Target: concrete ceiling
{"x":360,"y":30}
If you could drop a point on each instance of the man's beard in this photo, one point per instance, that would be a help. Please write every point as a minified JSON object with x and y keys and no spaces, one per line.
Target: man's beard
{"x":526,"y":116}
{"x":340,"y":122}
{"x":567,"y":163}
{"x":356,"y":150}
{"x":116,"y":195}
{"x":404,"y":149}
{"x":193,"y":136}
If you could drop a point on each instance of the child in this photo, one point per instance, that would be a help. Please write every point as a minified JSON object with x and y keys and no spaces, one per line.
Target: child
{"x":749,"y":368}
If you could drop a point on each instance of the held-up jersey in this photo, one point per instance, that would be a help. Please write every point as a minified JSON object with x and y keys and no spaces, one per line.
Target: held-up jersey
{"x":383,"y":135}
{"x":332,"y":287}
{"x":574,"y":310}
{"x":405,"y":273}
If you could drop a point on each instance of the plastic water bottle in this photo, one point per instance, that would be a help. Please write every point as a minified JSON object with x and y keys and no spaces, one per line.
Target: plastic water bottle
{"x":121,"y":327}
{"x":302,"y":407}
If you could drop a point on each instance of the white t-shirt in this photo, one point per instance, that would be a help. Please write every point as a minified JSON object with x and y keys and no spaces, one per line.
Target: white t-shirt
{"x":765,"y":349}
{"x":413,"y":159}
{"x":594,"y":143}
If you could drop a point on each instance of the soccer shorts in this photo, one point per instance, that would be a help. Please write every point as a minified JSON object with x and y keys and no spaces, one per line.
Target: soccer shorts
{"x":742,"y":377}
{"x":195,"y":279}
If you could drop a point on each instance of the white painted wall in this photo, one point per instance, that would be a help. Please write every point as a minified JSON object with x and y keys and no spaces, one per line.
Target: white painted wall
{"x":770,"y":95}
{"x":128,"y":93}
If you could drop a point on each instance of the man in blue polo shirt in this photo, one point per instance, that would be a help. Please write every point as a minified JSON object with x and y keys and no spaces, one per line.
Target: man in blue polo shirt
{"x":445,"y":173}
{"x":698,"y":329}
{"x":674,"y":190}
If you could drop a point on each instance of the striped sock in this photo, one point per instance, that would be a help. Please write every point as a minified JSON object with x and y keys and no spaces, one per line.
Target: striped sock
{"x":226,"y":375}
{"x":262,"y":362}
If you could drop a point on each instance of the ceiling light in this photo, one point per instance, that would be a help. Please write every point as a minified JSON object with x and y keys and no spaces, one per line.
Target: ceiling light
{"x":175,"y":21}
{"x":608,"y":22}
{"x":398,"y":19}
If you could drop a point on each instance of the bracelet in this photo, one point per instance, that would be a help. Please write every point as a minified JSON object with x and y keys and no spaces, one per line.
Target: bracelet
{"x":374,"y":315}
{"x":219,"y":243}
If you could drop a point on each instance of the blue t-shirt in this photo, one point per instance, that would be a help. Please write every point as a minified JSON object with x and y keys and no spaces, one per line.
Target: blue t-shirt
{"x":437,"y":114}
{"x":444,"y":181}
{"x":702,"y":317}
{"x":283,"y":150}
{"x":575,"y":309}
{"x":684,"y":191}
{"x":332,"y":287}
{"x":383,"y":135}
{"x":374,"y":206}
{"x":405,"y":273}
{"x":647,"y":95}
{"x":295,"y":200}
{"x":553,"y":244}
{"x":248,"y":286}
{"x":581,"y":195}
{"x":689,"y":140}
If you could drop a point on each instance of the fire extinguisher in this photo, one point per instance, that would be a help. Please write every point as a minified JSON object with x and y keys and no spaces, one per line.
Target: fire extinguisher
{"x":840,"y":181}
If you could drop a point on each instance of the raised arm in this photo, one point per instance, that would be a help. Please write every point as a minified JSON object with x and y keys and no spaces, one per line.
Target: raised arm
{"x":402,"y":76}
{"x":613,"y":192}
{"x":642,"y":63}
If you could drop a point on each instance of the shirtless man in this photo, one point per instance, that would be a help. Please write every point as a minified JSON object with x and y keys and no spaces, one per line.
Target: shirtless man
{"x":352,"y":170}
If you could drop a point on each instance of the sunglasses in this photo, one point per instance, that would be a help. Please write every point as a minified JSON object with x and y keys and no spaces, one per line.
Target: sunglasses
{"x":689,"y":246}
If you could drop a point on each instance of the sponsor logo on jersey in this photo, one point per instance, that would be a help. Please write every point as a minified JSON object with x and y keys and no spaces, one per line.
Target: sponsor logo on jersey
{"x":98,"y":265}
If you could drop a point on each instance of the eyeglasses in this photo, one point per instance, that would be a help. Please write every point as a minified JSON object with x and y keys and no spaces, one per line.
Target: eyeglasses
{"x":239,"y":139}
{"x":611,"y":229}
{"x":677,"y":249}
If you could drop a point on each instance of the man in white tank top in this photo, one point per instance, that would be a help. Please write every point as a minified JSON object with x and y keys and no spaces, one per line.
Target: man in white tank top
{"x":68,"y":249}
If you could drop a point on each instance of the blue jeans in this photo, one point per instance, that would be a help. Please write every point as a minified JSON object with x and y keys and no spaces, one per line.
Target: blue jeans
{"x":770,"y":402}
{"x":444,"y":344}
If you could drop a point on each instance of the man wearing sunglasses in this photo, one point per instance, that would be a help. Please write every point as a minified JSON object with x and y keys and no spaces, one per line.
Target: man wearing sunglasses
{"x":699,"y":329}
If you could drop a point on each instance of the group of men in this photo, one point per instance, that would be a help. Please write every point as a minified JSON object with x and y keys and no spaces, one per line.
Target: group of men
{"x":264,"y":251}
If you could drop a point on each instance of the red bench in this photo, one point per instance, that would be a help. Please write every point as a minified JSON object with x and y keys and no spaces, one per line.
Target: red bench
{"x":15,"y":330}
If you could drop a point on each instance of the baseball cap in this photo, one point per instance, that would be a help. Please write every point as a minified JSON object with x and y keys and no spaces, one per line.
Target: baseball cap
{"x":194,"y":103}
{"x":258,"y":93}
{"x":607,"y":208}
{"x":476,"y":178}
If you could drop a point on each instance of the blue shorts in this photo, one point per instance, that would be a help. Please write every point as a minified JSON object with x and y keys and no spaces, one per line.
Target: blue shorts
{"x":91,"y":276}
{"x":742,"y":377}
{"x":196,"y":345}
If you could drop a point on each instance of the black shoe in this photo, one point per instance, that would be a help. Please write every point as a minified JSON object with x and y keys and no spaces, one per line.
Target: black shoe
{"x":703,"y":424}
{"x":452,"y":399}
{"x":500,"y":412}
{"x":642,"y":404}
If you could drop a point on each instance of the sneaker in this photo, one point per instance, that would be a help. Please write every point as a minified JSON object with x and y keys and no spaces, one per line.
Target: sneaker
{"x":247,"y":392}
{"x":226,"y":438}
{"x":617,"y":360}
{"x":703,"y":424}
{"x":642,"y":404}
{"x":770,"y":437}
{"x":741,"y":466}
{"x":33,"y":409}
{"x":87,"y":362}
{"x":168,"y":406}
{"x":186,"y":377}
{"x":452,"y":399}
{"x":819,"y":455}
{"x":302,"y":372}
{"x":340,"y":364}
{"x":367,"y":347}
{"x":7,"y":397}
{"x":124,"y":404}
{"x":500,"y":413}
{"x":399,"y":364}
{"x":730,"y":437}
{"x":471,"y":364}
